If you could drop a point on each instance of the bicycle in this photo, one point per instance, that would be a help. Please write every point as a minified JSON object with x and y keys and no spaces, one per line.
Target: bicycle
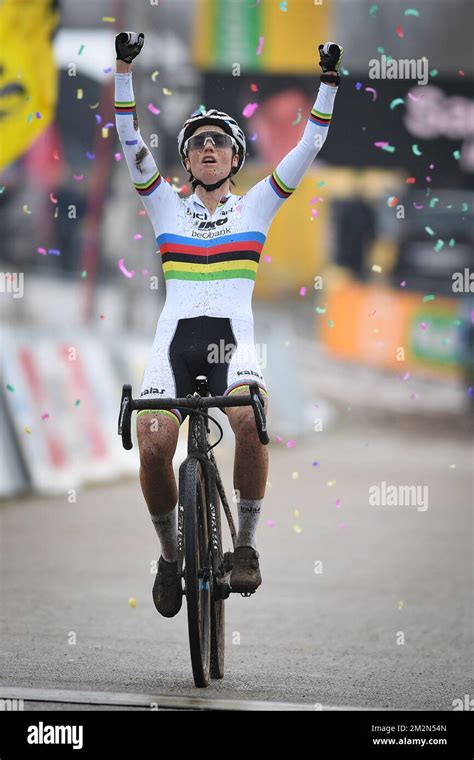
{"x":202,"y":565}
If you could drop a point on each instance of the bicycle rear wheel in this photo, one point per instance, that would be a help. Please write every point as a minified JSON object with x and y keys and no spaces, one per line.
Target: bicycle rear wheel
{"x":196,"y":568}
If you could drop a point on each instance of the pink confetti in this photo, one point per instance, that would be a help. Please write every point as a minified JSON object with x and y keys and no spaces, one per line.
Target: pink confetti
{"x":52,"y":198}
{"x":260,"y":45}
{"x":413,"y":97}
{"x":314,"y":213}
{"x":423,"y":326}
{"x":78,"y":177}
{"x":381,"y":144}
{"x":117,"y":156}
{"x":403,"y":283}
{"x":343,"y":525}
{"x":249,"y":110}
{"x":302,"y":291}
{"x":279,"y":439}
{"x":138,"y":236}
{"x":124,"y":269}
{"x":414,"y":396}
{"x":428,"y":179}
{"x":101,"y":316}
{"x":144,"y":272}
{"x":153,"y":108}
{"x":45,"y":416}
{"x":399,"y":31}
{"x":338,"y":503}
{"x":270,"y":523}
{"x":374,"y":95}
{"x":42,"y":251}
{"x":316,"y":199}
{"x":418,"y":206}
{"x":267,"y":258}
{"x":290,"y":444}
{"x":406,"y":375}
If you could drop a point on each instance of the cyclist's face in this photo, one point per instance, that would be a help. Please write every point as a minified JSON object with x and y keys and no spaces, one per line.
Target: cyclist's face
{"x":210,"y":164}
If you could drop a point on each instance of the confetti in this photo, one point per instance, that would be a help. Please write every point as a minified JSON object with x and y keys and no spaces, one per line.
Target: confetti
{"x":406,"y":376}
{"x":117,"y":156}
{"x":295,"y":476}
{"x":26,"y":209}
{"x":45,"y":416}
{"x":302,"y":291}
{"x":297,"y":529}
{"x":105,"y":132}
{"x":434,"y":73}
{"x":410,"y":180}
{"x":396,"y":102}
{"x":416,"y":150}
{"x":154,"y":75}
{"x":42,"y":251}
{"x":338,"y":503}
{"x":267,"y":258}
{"x":124,"y":269}
{"x":90,"y":156}
{"x":10,"y":387}
{"x":414,"y":396}
{"x":403,"y":284}
{"x":399,"y":31}
{"x":376,"y":268}
{"x":253,"y":137}
{"x":439,"y":245}
{"x":284,"y":6}
{"x":413,"y":97}
{"x":298,"y":118}
{"x":98,"y":118}
{"x":358,"y":85}
{"x":392,"y":201}
{"x":428,"y":298}
{"x":132,"y":602}
{"x":138,"y":236}
{"x":452,"y":243}
{"x":249,"y":110}
{"x":456,"y":154}
{"x":81,"y":49}
{"x":373,"y":10}
{"x":78,"y":177}
{"x":290,"y":444}
{"x":54,"y":251}
{"x":429,"y":231}
{"x":95,"y":105}
{"x":77,"y":402}
{"x":423,"y":326}
{"x":52,"y":198}
{"x":27,"y":430}
{"x":109,"y":19}
{"x":411,"y":12}
{"x":270,"y":523}
{"x":107,"y":70}
{"x":260,"y":45}
{"x":433,"y":202}
{"x":165,"y":91}
{"x":374,"y":93}
{"x":153,"y":109}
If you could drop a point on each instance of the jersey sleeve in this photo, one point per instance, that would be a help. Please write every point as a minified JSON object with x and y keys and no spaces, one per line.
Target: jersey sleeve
{"x":268,"y":195}
{"x":152,"y":188}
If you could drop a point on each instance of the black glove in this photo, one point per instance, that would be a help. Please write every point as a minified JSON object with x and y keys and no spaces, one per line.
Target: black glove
{"x":128,"y":45}
{"x":330,"y":56}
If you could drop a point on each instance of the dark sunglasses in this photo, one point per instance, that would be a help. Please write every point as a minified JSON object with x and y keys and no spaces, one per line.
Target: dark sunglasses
{"x":219,"y":140}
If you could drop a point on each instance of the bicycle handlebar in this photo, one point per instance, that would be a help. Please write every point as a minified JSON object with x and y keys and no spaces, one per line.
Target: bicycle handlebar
{"x":129,"y":405}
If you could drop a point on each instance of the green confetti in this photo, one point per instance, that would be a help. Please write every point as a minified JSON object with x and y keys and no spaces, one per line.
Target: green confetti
{"x":439,"y":245}
{"x":456,"y":155}
{"x":416,"y":150}
{"x":345,"y":72}
{"x":83,"y":273}
{"x":465,"y":208}
{"x":320,"y":310}
{"x":433,"y":202}
{"x":396,"y":102}
{"x":445,"y":340}
{"x":411,"y":12}
{"x":381,"y":50}
{"x":429,"y":231}
{"x":457,"y":322}
{"x":10,"y":387}
{"x":434,"y":72}
{"x":452,"y":243}
{"x":320,"y":184}
{"x":389,"y":148}
{"x":428,"y":298}
{"x":2,"y":188}
{"x":81,"y":49}
{"x":77,"y":402}
{"x":373,"y":10}
{"x":29,"y":118}
{"x":330,"y":323}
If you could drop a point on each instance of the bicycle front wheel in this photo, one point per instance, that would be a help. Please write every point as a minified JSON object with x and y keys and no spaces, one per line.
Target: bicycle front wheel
{"x":197,"y":568}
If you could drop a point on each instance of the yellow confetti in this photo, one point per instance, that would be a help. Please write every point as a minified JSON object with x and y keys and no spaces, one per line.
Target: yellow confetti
{"x":95,"y":105}
{"x":105,"y":131}
{"x":132,"y":602}
{"x":297,"y":529}
{"x":154,"y":75}
{"x":452,"y":466}
{"x":296,"y":513}
{"x":295,"y":475}
{"x":400,"y":604}
{"x":110,"y":19}
{"x":26,"y":209}
{"x":331,"y":482}
{"x":376,"y":268}
{"x":166,"y":91}
{"x":27,"y":430}
{"x":80,"y":93}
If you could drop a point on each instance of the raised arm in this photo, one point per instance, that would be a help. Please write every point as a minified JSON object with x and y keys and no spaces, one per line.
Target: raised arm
{"x":144,"y":172}
{"x":269,"y":194}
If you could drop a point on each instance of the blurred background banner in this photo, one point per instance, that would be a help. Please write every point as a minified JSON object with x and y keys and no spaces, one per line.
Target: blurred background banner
{"x":28,"y":74}
{"x":359,"y":266}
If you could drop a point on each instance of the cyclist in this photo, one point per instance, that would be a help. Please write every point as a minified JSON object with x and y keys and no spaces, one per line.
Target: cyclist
{"x":210,"y":244}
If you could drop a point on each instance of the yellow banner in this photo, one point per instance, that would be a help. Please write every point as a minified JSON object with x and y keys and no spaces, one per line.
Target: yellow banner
{"x":28,"y":74}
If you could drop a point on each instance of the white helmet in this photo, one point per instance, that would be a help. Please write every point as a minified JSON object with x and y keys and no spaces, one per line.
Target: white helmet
{"x":219,"y":118}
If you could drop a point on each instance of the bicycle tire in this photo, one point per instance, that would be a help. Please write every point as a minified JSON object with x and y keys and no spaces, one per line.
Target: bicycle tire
{"x":196,"y":558}
{"x":218,"y":615}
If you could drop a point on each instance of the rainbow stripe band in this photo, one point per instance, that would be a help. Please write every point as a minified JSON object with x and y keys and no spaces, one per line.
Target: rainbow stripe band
{"x":282,"y":190}
{"x":227,"y":257}
{"x":146,"y":188}
{"x":236,"y":387}
{"x":320,"y":119}
{"x":125,"y":108}
{"x":173,"y":413}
